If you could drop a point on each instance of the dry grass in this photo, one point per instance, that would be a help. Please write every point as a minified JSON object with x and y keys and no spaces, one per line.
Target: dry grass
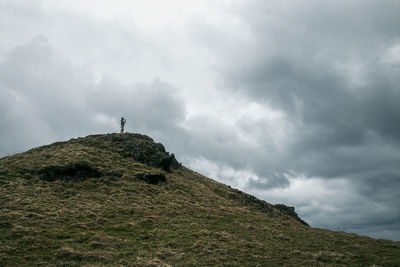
{"x":118,"y":220}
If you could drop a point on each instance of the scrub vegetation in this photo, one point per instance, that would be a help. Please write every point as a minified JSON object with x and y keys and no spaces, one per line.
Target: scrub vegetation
{"x":109,"y":200}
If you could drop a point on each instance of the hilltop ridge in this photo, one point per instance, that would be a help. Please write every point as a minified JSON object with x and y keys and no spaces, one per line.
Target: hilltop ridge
{"x":122,"y":199}
{"x":140,"y":148}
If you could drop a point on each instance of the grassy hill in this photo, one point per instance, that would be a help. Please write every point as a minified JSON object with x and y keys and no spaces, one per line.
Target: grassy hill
{"x":121,"y":199}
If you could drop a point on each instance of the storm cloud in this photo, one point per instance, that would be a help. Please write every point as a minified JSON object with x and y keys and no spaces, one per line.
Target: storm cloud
{"x":295,"y":102}
{"x":333,"y":70}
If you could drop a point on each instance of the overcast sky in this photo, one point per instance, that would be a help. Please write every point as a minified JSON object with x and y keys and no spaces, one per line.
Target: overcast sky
{"x":296,"y":102}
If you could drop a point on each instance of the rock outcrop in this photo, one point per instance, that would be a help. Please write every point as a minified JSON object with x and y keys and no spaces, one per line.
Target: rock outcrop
{"x":136,"y":146}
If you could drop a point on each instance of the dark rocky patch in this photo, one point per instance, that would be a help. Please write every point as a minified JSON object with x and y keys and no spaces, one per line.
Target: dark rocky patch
{"x":166,"y":162}
{"x":71,"y":172}
{"x":289,"y":211}
{"x":136,"y":146}
{"x":263,"y":205}
{"x":158,"y":178}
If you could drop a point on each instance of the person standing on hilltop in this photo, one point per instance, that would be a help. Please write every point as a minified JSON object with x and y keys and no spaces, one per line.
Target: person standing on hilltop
{"x":123,"y":121}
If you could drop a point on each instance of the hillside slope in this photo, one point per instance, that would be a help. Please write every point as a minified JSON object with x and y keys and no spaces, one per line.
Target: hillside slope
{"x":123,"y":200}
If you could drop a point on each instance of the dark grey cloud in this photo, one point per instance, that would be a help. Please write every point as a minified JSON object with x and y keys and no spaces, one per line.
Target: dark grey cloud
{"x":335,"y":120}
{"x":323,"y":65}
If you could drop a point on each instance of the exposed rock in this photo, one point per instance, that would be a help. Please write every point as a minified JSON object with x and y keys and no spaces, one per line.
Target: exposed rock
{"x":136,"y":146}
{"x":289,"y":211}
{"x":263,"y":205}
{"x":158,"y":178}
{"x":71,"y":172}
{"x":166,"y":161}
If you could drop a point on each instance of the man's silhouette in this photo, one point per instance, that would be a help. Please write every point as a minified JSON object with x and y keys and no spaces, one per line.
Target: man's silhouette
{"x":123,"y":121}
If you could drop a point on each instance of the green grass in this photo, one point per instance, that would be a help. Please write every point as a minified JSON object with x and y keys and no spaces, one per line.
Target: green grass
{"x":118,"y":219}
